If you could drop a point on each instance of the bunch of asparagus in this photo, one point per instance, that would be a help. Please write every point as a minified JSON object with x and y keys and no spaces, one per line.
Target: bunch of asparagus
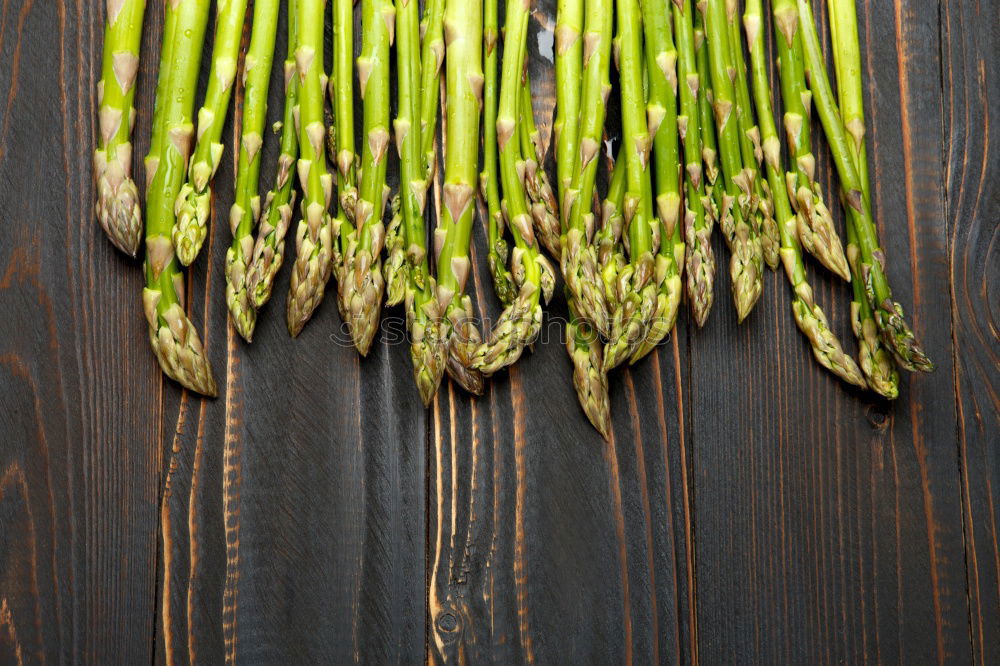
{"x":699,"y":146}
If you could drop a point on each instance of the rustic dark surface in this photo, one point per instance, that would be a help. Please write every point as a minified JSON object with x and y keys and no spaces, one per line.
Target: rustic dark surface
{"x":748,"y":509}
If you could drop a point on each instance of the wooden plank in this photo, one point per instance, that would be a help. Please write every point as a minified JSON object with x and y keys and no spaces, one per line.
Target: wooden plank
{"x":78,"y":468}
{"x":970,"y":37}
{"x":316,"y":512}
{"x":293,"y":522}
{"x":546,"y":544}
{"x":828,"y":523}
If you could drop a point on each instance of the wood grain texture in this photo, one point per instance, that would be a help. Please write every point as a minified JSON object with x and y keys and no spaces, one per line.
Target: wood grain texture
{"x":748,"y":509}
{"x":828,"y":524}
{"x":970,"y":35}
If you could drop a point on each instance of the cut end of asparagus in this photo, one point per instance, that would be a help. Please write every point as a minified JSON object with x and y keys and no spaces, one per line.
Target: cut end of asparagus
{"x":589,"y":377}
{"x":193,"y":210}
{"x":179,"y":351}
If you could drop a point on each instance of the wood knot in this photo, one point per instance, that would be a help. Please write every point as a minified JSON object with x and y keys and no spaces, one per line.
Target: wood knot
{"x":447,"y":623}
{"x":878,"y":417}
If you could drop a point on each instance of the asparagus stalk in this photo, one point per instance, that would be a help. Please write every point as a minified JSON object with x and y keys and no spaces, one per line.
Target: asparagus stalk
{"x":630,"y":322}
{"x":314,"y":235}
{"x":569,"y":86}
{"x":171,"y":334}
{"x":364,"y":282}
{"x":423,"y":315}
{"x":889,"y":316}
{"x":589,"y":376}
{"x":761,"y":206}
{"x":700,"y":260}
{"x":579,"y":260}
{"x":498,"y":251}
{"x":661,"y":114}
{"x":610,"y":260}
{"x":809,"y":317}
{"x":815,"y":223}
{"x":541,"y":196}
{"x":394,"y":266}
{"x":194,"y":202}
{"x":847,"y":64}
{"x":706,"y":102}
{"x":583,"y":63}
{"x":464,"y":81}
{"x":118,"y":209}
{"x":431,"y":60}
{"x":746,"y":263}
{"x":345,"y":233}
{"x":520,"y":322}
{"x":269,"y":250}
{"x":875,"y":359}
{"x":245,"y":211}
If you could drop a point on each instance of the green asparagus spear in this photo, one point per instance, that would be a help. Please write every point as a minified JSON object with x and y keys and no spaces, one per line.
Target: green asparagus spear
{"x":810,"y":319}
{"x":589,"y":376}
{"x":607,"y":241}
{"x":876,"y":361}
{"x":520,"y":322}
{"x":394,"y":265}
{"x":630,"y":322}
{"x":746,"y":263}
{"x":246,"y":210}
{"x":171,"y":334}
{"x":579,"y":261}
{"x":498,"y":251}
{"x":364,"y":282}
{"x":431,"y":60}
{"x":583,"y":64}
{"x":428,"y":349}
{"x":345,"y":233}
{"x":761,"y":205}
{"x":815,"y":223}
{"x":661,"y":112}
{"x":889,"y":317}
{"x":463,"y":24}
{"x":569,"y":87}
{"x":541,"y":196}
{"x":706,"y":102}
{"x":314,"y":235}
{"x":700,"y":260}
{"x":269,"y":250}
{"x":118,"y":209}
{"x":194,"y":202}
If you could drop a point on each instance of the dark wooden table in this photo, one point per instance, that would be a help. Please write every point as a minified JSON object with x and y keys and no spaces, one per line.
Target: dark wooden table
{"x":748,"y":509}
